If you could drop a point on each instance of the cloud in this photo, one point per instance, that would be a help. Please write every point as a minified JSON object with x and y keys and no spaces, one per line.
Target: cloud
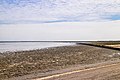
{"x":58,"y":10}
{"x":61,"y":31}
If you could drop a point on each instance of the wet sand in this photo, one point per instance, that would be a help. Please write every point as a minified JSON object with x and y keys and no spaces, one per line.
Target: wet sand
{"x":25,"y":63}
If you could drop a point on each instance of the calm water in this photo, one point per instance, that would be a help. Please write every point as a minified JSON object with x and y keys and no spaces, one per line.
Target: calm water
{"x":20,"y":46}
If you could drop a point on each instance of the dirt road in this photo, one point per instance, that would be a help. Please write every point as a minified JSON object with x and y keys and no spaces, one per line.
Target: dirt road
{"x":106,"y":72}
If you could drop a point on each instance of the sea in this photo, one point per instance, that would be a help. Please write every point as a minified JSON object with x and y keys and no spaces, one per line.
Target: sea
{"x":23,"y":46}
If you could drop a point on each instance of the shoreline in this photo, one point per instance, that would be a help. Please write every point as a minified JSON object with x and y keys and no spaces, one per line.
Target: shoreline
{"x":28,"y":46}
{"x":16,"y":64}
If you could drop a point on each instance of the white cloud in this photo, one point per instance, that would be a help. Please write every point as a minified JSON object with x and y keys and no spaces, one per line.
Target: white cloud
{"x":51,"y":10}
{"x":62,"y":31}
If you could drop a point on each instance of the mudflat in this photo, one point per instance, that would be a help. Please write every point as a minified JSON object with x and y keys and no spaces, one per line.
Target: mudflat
{"x":18,"y":64}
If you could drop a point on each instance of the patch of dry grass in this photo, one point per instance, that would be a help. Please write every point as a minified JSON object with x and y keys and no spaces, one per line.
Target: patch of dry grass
{"x":20,"y":63}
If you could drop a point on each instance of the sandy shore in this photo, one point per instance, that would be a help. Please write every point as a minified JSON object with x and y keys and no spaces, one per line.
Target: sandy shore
{"x":16,"y":64}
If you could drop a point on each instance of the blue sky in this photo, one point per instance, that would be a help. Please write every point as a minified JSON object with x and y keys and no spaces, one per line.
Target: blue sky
{"x":44,"y":11}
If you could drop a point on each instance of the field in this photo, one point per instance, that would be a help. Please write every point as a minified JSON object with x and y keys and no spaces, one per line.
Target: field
{"x":16,"y":64}
{"x":114,"y":44}
{"x":106,"y":42}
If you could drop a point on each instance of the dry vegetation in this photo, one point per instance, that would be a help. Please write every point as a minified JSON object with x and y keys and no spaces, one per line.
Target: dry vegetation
{"x":106,"y":42}
{"x":113,"y":44}
{"x":14,"y":64}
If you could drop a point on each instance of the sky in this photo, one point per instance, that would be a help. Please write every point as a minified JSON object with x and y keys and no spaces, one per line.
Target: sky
{"x":59,"y":20}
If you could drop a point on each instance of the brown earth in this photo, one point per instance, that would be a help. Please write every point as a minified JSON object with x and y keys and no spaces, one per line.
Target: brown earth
{"x":28,"y":64}
{"x":106,"y":72}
